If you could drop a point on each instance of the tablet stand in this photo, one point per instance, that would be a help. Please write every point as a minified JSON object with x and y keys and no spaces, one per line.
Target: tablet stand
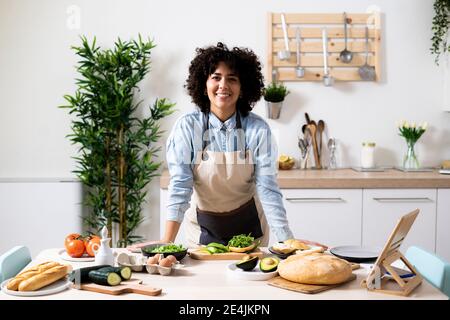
{"x":383,"y":271}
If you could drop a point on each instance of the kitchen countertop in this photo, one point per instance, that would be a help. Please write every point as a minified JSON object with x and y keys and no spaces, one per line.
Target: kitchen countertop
{"x":207,"y":280}
{"x":351,"y":179}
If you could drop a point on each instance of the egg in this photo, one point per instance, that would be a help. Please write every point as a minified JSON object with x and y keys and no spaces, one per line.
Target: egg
{"x":172,"y":258}
{"x":152,"y":260}
{"x":165,"y":263}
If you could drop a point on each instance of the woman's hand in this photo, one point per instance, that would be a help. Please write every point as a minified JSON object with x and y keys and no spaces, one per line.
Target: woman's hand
{"x":137,"y":247}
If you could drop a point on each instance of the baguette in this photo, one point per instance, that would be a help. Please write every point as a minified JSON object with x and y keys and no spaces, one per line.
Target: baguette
{"x":44,"y":279}
{"x":14,"y":283}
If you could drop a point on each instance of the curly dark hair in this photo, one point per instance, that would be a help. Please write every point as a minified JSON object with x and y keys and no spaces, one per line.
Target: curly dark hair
{"x":241,"y":61}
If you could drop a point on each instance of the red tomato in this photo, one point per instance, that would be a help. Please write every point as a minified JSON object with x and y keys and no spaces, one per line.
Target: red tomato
{"x":70,"y":237}
{"x":92,"y":243}
{"x":75,"y":248}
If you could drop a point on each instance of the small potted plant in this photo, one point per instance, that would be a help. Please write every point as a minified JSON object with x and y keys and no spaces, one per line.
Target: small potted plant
{"x":274,"y":95}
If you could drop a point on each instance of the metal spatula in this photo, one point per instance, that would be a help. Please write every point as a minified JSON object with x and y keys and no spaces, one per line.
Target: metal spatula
{"x":367,"y":72}
{"x":284,"y":54}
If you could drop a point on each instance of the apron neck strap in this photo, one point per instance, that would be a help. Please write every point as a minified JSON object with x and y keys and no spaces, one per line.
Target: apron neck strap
{"x":240,"y":138}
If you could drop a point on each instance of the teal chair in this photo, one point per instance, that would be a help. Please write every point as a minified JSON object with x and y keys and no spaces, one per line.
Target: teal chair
{"x":12,"y":261}
{"x":433,"y":268}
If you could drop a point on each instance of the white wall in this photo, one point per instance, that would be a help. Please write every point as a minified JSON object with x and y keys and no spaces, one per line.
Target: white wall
{"x":37,"y":69}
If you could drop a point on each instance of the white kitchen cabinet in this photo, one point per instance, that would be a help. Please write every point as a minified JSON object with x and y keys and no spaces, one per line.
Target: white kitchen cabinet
{"x":329,"y":216}
{"x":383,"y":207}
{"x":443,"y":224}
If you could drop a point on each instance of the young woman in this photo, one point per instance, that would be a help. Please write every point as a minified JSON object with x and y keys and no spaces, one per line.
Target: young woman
{"x":221,"y":157}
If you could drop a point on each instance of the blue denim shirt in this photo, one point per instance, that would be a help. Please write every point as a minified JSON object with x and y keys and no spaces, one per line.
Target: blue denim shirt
{"x":185,"y":141}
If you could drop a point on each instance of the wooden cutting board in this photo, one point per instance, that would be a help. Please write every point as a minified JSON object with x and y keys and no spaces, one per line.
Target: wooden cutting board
{"x":280,"y":282}
{"x":124,"y":287}
{"x":303,"y":288}
{"x":198,"y":255}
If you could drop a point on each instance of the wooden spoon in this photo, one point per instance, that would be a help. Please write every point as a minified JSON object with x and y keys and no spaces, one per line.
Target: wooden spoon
{"x":308,"y":120}
{"x":321,"y":128}
{"x":313,"y":129}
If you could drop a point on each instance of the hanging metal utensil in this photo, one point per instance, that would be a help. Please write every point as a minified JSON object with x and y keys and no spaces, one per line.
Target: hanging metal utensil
{"x":327,"y":79}
{"x":346,"y":55}
{"x":284,"y":54}
{"x":367,"y":72}
{"x":299,"y":71}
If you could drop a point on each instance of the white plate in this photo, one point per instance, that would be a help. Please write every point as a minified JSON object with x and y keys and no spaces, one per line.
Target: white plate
{"x":85,"y":258}
{"x":55,"y":287}
{"x":255,"y":274}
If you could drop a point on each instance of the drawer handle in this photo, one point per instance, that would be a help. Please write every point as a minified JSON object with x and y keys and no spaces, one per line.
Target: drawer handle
{"x":403,"y":199}
{"x":315,"y":199}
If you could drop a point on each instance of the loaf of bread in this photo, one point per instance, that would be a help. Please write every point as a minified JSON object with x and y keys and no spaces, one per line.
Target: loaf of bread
{"x":315,"y":268}
{"x":13,"y":284}
{"x":44,"y":279}
{"x":296,"y":244}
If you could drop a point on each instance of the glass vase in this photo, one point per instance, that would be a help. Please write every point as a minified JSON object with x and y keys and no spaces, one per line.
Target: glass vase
{"x":410,"y":160}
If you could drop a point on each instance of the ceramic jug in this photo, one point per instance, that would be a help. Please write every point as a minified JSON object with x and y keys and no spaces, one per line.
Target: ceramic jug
{"x":103,"y":253}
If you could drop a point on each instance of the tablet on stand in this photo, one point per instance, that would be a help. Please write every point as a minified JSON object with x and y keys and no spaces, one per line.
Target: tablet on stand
{"x":383,"y":272}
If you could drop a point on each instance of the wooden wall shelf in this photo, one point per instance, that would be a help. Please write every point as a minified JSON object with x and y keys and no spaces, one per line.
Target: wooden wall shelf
{"x":311,"y":26}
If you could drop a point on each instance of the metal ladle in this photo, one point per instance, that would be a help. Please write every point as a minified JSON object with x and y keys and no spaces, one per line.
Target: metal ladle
{"x":284,"y":54}
{"x":367,"y":72}
{"x":299,"y":71}
{"x":346,"y":56}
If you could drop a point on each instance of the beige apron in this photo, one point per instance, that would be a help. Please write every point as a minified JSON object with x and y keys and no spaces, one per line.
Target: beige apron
{"x":223,"y":182}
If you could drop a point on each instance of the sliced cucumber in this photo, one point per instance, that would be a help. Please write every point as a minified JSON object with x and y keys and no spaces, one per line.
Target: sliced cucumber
{"x":81,"y":275}
{"x":105,"y":278}
{"x":124,"y":272}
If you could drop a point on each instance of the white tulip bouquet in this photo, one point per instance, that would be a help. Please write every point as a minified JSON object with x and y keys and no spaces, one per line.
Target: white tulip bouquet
{"x":411,"y":132}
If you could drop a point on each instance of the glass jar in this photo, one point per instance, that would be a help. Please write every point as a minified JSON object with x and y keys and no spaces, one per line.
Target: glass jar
{"x":368,"y":155}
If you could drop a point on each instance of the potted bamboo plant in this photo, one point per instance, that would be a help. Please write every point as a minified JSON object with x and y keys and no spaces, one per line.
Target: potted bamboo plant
{"x":274,"y":95}
{"x":117,"y":149}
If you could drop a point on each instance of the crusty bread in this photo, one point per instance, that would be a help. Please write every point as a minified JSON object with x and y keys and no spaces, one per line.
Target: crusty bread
{"x":13,"y":284}
{"x":296,"y":244}
{"x":282,"y":248}
{"x":315,"y":268}
{"x":44,"y":279}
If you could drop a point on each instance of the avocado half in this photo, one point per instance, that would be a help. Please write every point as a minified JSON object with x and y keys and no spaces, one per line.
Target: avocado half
{"x":247,"y":263}
{"x":269,"y":264}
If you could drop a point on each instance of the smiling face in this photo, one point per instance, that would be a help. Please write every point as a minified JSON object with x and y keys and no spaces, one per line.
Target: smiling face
{"x":223,"y":87}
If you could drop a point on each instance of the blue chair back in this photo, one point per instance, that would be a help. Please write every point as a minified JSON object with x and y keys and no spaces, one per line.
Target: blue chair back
{"x":433,"y":268}
{"x":12,"y":261}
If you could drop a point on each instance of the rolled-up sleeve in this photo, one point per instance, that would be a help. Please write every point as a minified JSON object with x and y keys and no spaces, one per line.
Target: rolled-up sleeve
{"x":179,"y":153}
{"x":265,"y":153}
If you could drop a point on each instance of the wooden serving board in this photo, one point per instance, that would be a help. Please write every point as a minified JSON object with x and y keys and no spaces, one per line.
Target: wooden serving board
{"x":304,"y":288}
{"x":124,"y":287}
{"x":198,"y":255}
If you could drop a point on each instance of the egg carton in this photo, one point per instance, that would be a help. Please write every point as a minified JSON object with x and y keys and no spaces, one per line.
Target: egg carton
{"x":139,"y":263}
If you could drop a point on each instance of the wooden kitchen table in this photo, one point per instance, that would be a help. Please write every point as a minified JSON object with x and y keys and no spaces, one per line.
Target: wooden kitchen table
{"x":208,"y":280}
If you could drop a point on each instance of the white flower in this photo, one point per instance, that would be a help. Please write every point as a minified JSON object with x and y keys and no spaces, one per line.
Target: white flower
{"x":399,"y":123}
{"x":413,"y":125}
{"x":424,"y":125}
{"x":405,"y":124}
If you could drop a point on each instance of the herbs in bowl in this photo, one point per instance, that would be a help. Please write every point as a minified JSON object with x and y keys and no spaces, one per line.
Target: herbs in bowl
{"x":242,"y":243}
{"x":165,"y":249}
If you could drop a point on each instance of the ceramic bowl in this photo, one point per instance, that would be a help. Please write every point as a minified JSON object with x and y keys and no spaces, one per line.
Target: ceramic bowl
{"x":146,"y":251}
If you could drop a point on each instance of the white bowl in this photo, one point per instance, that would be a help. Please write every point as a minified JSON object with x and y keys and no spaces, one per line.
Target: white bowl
{"x":254,"y":275}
